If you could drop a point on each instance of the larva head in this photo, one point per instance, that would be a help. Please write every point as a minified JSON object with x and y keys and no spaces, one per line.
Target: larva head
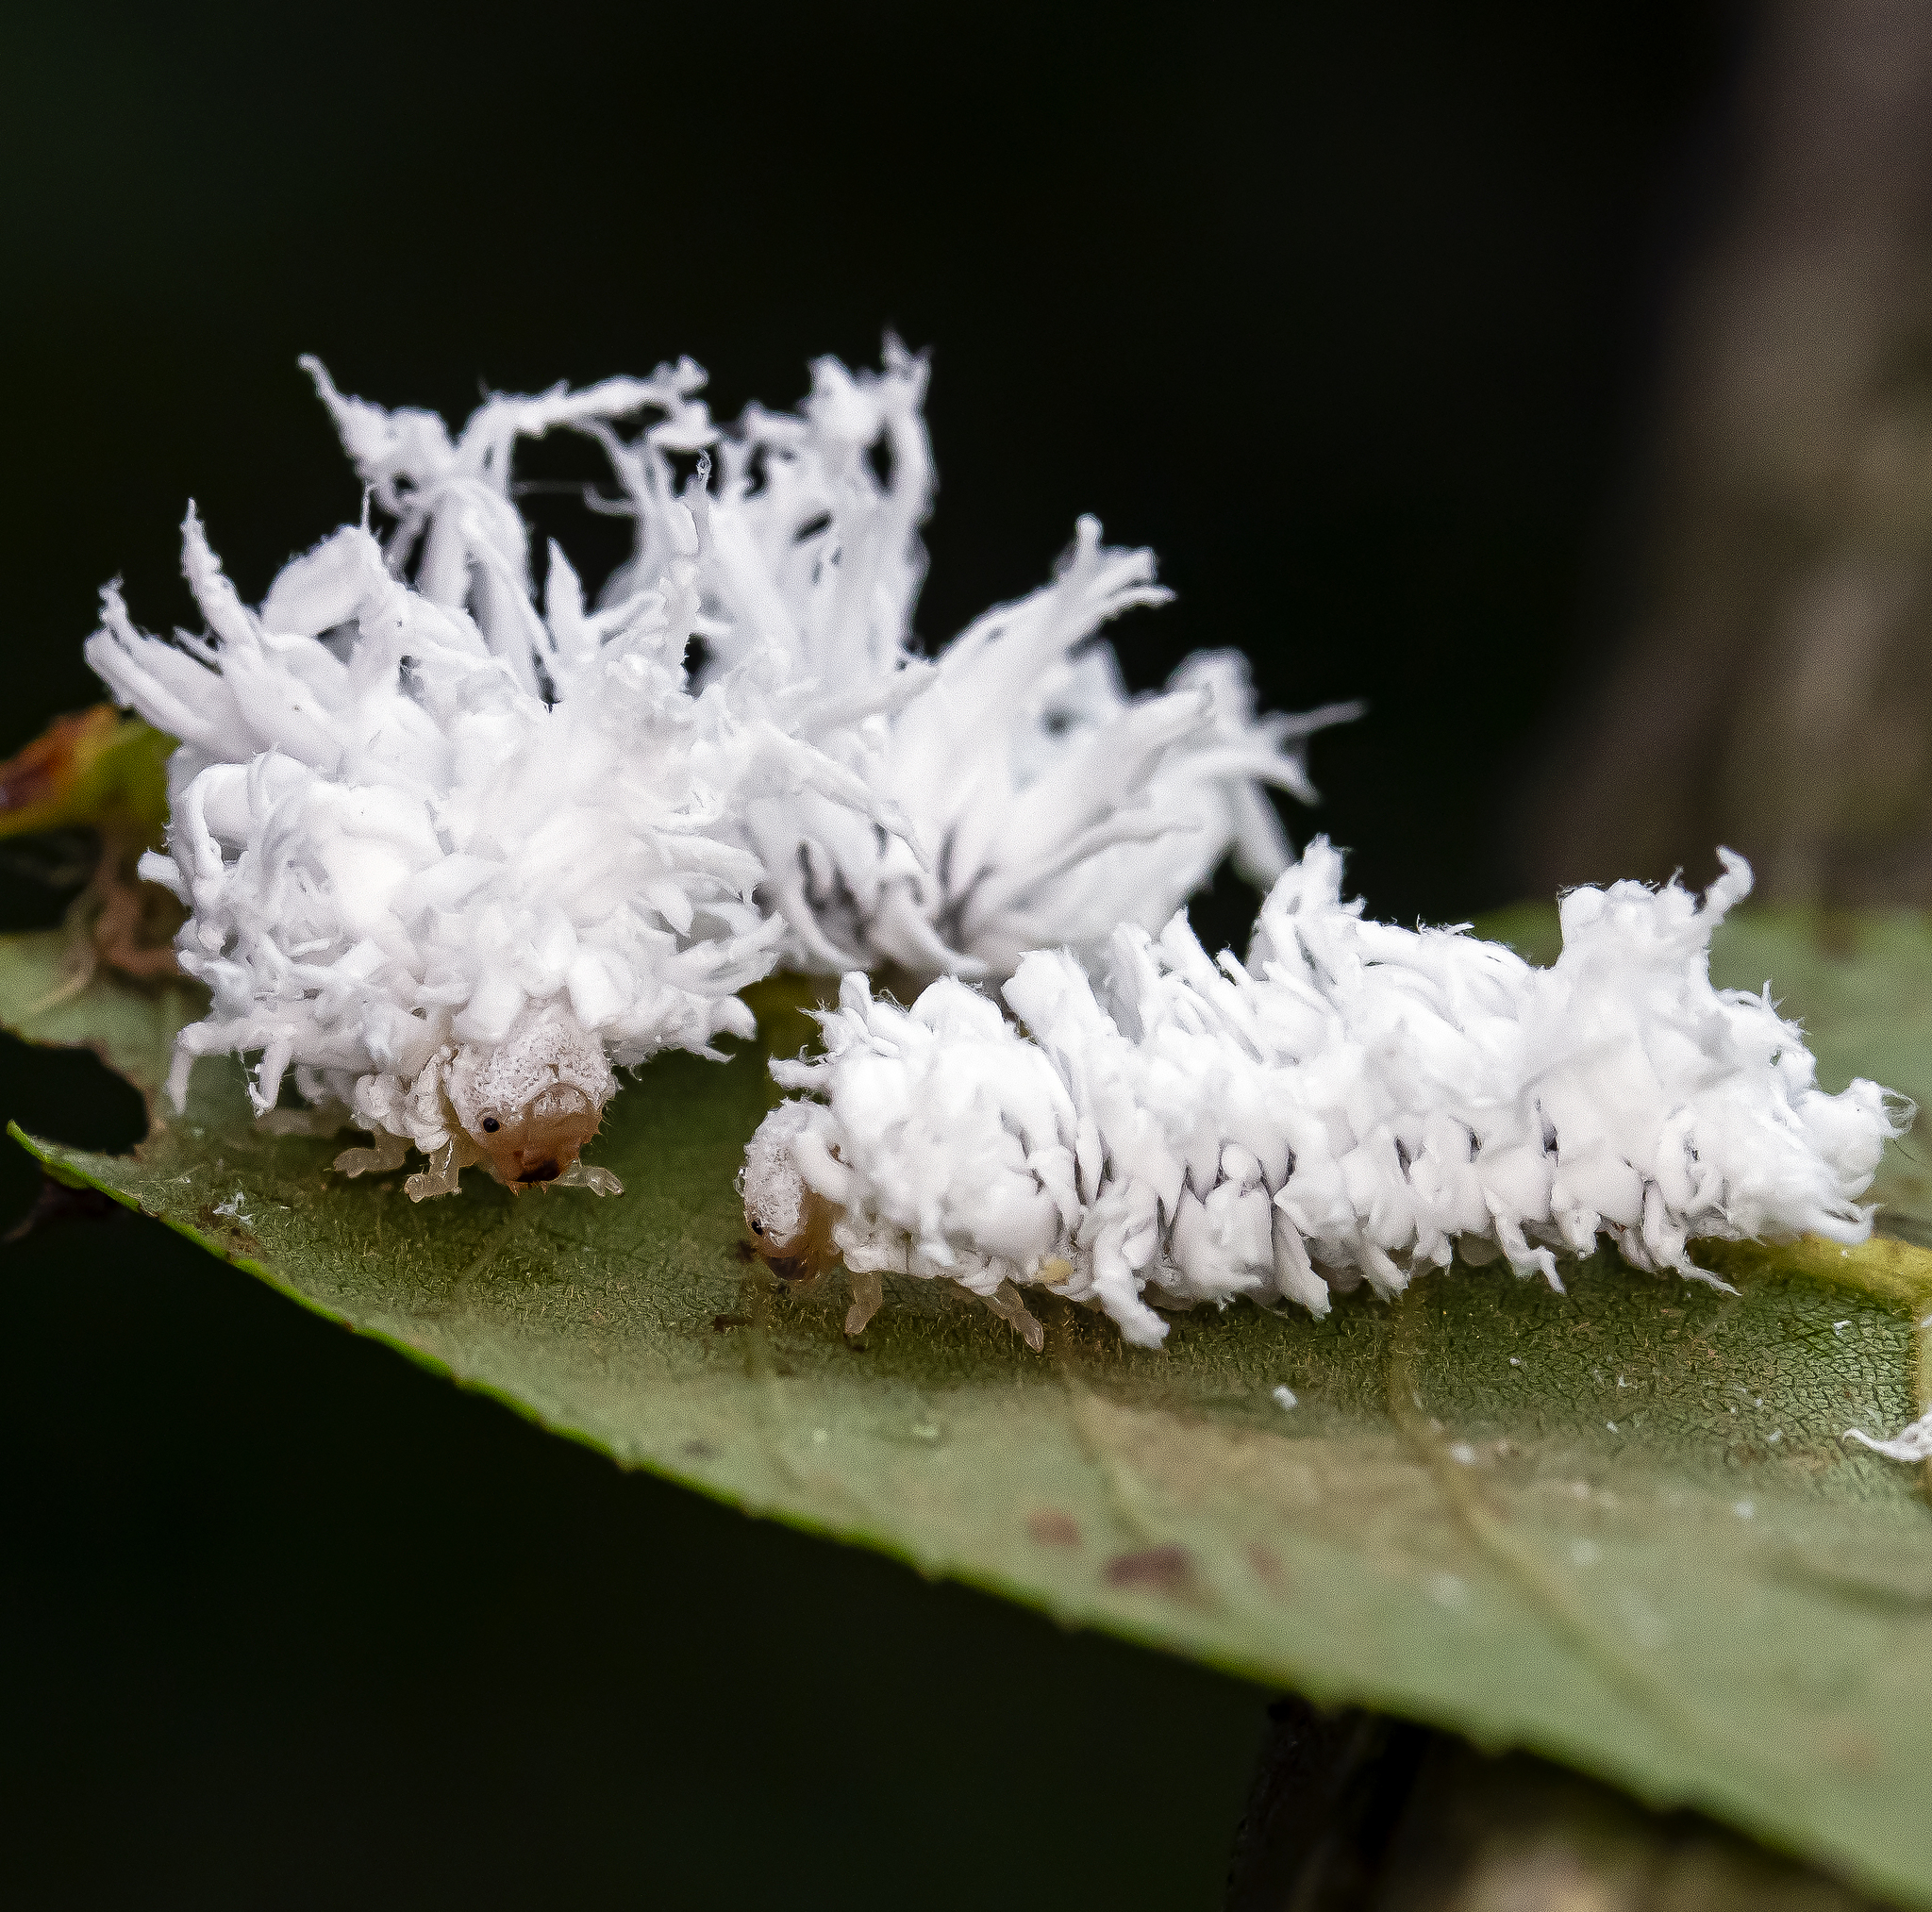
{"x":531,"y":1101}
{"x":540,"y":1140}
{"x":790,"y":1222}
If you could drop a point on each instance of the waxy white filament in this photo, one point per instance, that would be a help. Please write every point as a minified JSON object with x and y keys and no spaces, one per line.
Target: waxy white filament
{"x":1042,"y":804}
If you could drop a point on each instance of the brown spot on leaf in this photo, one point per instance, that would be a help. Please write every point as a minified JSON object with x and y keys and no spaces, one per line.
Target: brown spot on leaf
{"x":51,"y":769}
{"x":1052,"y":1527}
{"x":1168,"y":1569}
{"x":32,"y":779}
{"x":226,"y":1229}
{"x":1268,"y":1568}
{"x":720,"y":1322}
{"x":1849,"y":1745}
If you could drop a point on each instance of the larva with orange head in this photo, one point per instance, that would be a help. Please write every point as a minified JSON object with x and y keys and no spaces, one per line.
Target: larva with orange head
{"x":451,"y":907}
{"x":971,"y":1128}
{"x":793,"y":1224}
{"x":790,"y":1222}
{"x":1357,"y":1102}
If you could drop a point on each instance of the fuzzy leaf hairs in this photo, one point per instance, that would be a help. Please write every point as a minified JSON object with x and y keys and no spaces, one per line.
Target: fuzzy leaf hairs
{"x":449,"y":905}
{"x":1045,"y":805}
{"x":1357,"y":1101}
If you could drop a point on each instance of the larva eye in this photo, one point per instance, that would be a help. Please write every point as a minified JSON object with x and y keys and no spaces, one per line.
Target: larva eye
{"x":491,"y":1124}
{"x":758,"y":1227}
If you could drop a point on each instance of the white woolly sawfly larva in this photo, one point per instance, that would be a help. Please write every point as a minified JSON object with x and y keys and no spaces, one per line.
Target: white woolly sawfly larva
{"x":450,"y":907}
{"x":1358,"y":1102}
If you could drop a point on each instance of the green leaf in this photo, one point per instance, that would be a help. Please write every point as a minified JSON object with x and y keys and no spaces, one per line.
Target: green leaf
{"x":1618,"y":1526}
{"x":46,"y":996}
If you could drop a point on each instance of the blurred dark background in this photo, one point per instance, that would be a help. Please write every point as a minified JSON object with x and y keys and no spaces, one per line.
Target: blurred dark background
{"x":1351,"y":312}
{"x":1359,"y":314}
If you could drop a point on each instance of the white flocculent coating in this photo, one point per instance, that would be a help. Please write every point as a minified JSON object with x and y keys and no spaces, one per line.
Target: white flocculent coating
{"x":444,"y":903}
{"x":1045,"y":804}
{"x":1357,"y":1101}
{"x":1050,"y":805}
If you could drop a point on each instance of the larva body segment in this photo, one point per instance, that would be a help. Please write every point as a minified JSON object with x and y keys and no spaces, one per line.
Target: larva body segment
{"x":1357,"y":1102}
{"x":956,"y":1161}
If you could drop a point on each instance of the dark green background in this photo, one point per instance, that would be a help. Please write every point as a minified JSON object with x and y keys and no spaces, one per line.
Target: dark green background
{"x":1348,"y":310}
